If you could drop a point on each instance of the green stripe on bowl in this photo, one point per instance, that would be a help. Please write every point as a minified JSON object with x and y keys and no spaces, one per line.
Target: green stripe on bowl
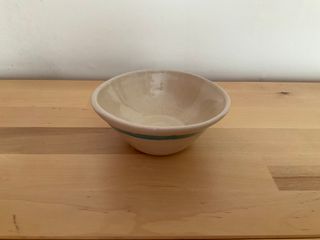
{"x":153,"y":137}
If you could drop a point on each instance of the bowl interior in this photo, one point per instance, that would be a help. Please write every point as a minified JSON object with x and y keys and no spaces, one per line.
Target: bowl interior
{"x":161,"y":99}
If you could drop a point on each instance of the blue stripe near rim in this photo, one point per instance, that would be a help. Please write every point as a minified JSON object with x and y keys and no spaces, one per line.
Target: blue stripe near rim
{"x":153,"y":137}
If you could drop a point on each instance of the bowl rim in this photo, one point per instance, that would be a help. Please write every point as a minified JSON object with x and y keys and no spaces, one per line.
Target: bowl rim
{"x":101,"y":111}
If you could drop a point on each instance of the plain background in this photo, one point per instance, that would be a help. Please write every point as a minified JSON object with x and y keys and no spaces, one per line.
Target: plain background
{"x":259,"y":40}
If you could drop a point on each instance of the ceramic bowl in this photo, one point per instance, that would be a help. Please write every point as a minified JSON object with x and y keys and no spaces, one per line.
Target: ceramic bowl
{"x":160,"y":112}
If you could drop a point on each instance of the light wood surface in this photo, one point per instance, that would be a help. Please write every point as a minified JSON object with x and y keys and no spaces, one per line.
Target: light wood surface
{"x":65,"y":174}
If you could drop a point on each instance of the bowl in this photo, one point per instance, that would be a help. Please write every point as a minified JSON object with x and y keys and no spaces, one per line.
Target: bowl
{"x":160,"y":112}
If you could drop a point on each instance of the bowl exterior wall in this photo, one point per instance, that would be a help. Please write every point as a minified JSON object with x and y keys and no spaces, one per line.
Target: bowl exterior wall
{"x":160,"y":147}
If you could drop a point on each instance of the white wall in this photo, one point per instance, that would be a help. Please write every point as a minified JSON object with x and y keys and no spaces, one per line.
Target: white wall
{"x":221,"y":39}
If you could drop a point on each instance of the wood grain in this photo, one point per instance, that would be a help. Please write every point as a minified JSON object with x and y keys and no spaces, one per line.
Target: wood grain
{"x":64,"y":174}
{"x":297,"y":178}
{"x":47,"y":103}
{"x":107,"y":141}
{"x":62,"y":141}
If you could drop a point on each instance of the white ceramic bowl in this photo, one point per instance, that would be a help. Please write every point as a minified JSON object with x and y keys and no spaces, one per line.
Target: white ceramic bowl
{"x":160,"y":112}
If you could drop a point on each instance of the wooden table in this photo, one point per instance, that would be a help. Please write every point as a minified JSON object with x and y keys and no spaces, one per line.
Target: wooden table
{"x":65,"y":174}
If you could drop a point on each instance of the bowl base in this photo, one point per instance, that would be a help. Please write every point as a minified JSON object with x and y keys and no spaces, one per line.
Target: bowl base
{"x":159,"y":147}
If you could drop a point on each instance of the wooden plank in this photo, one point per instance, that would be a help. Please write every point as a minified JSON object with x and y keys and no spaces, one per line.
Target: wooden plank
{"x":221,"y":187}
{"x":62,"y":141}
{"x":50,"y":117}
{"x":122,"y":195}
{"x":106,"y":141}
{"x":273,"y":105}
{"x":46,"y":93}
{"x":297,"y":178}
{"x":65,"y":175}
{"x":271,"y":117}
{"x":66,"y":104}
{"x":298,"y":183}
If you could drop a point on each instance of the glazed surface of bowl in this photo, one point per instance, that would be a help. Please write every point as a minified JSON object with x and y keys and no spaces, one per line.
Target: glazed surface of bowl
{"x":160,"y":112}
